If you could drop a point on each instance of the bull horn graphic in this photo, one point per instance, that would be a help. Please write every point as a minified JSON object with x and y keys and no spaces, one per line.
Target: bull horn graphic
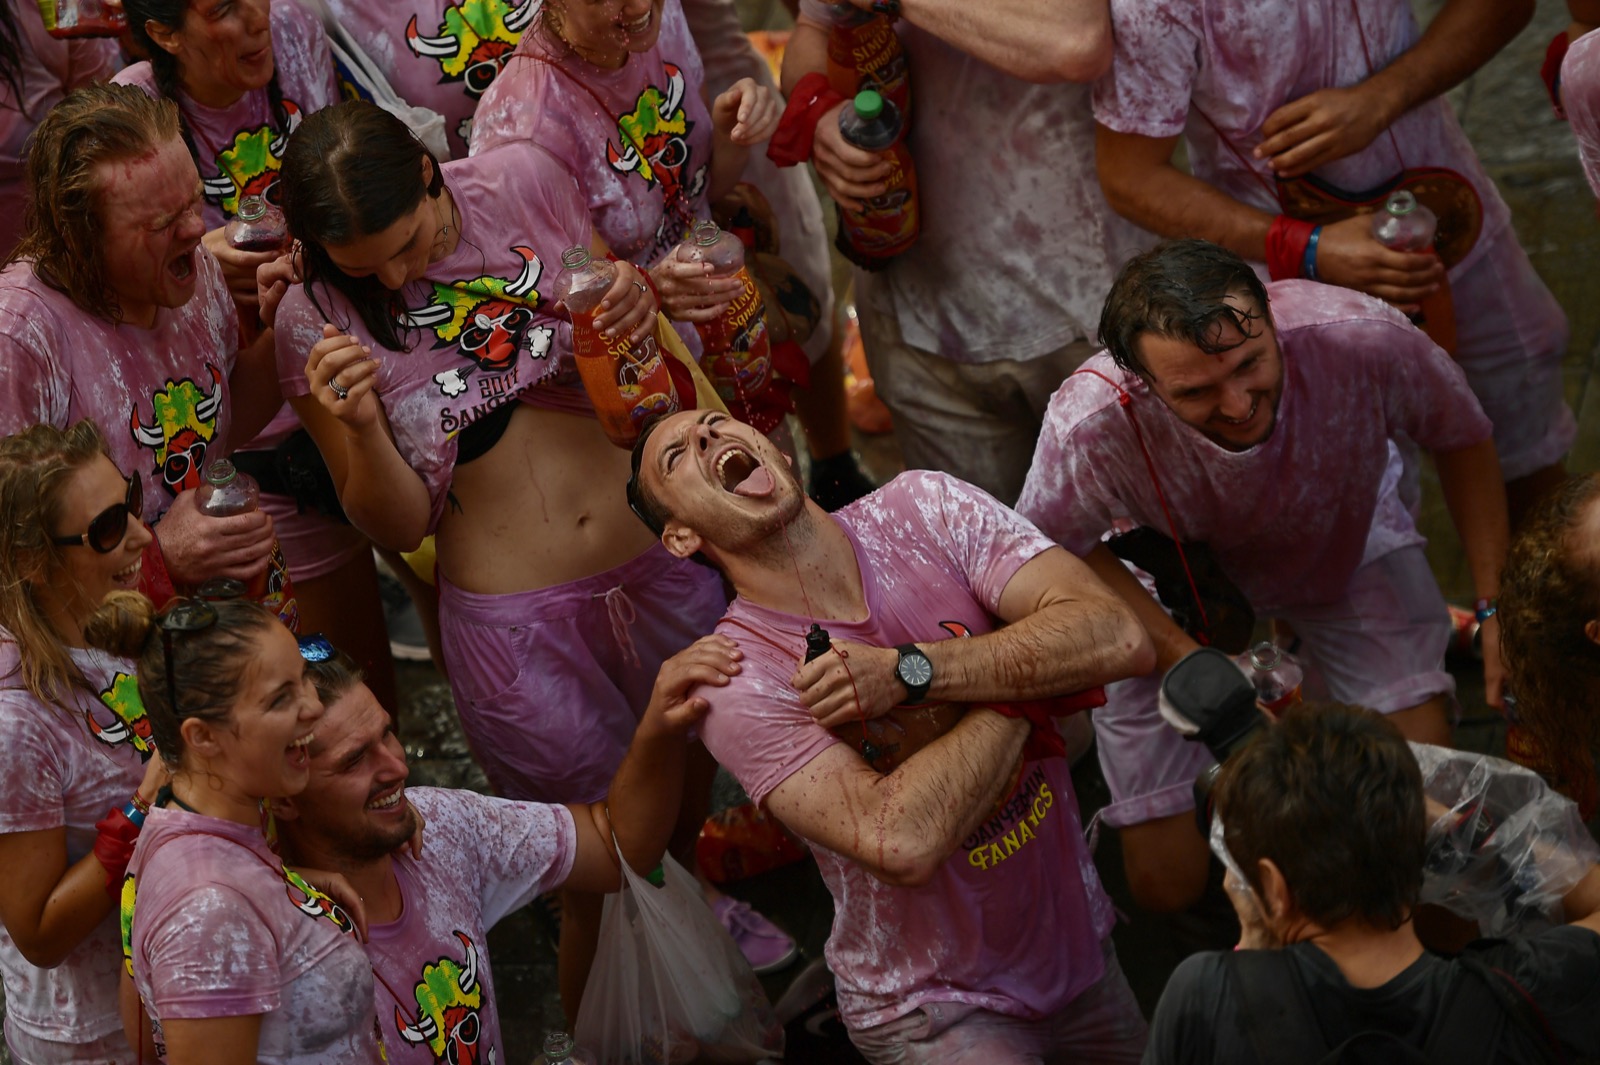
{"x":426,"y":317}
{"x":674,"y":98}
{"x":114,"y":733}
{"x":625,"y":161}
{"x":469,"y":976}
{"x":531,"y":269}
{"x":206,"y":409}
{"x":434,"y":47}
{"x":520,"y":17}
{"x":420,"y":1032}
{"x":220,"y":185}
{"x":149,"y":436}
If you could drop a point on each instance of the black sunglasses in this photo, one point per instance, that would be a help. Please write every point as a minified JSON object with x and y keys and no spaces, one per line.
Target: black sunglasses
{"x":184,"y":615}
{"x":111,"y":524}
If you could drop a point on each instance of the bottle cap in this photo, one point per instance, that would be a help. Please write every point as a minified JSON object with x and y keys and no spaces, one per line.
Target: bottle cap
{"x":575,"y":257}
{"x":252,"y":208}
{"x":1401,"y":203}
{"x":869,"y":105}
{"x":557,"y":1045}
{"x":220,"y":472}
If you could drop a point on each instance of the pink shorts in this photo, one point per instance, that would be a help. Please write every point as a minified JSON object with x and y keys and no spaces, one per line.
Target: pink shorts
{"x":314,"y":546}
{"x":551,"y":683}
{"x":1381,"y":647}
{"x":1512,"y":338}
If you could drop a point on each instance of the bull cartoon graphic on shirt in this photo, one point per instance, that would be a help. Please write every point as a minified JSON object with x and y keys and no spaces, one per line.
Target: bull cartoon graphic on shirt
{"x":131,"y":724}
{"x":475,"y":39}
{"x":313,"y":903}
{"x":185,"y":421}
{"x":488,"y":320}
{"x":249,"y":166}
{"x":125,"y":900}
{"x":449,"y":997}
{"x":655,"y":146}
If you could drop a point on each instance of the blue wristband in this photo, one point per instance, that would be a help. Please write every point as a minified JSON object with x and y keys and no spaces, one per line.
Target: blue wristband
{"x":1484,"y":609}
{"x":1308,"y":262}
{"x":134,"y":815}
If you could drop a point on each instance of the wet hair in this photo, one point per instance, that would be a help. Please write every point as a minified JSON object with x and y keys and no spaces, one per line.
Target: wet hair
{"x":11,"y":52}
{"x":1178,"y":290}
{"x":1333,"y":796}
{"x":62,"y":228}
{"x":36,"y":466}
{"x":334,"y":676}
{"x":1549,"y":590}
{"x":208,"y":665}
{"x":643,"y":502}
{"x":350,"y":171}
{"x":164,"y":65}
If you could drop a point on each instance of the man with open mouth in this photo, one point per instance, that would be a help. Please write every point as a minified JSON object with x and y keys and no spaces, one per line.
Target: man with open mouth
{"x":114,"y":311}
{"x":1262,"y":422}
{"x":946,"y":869}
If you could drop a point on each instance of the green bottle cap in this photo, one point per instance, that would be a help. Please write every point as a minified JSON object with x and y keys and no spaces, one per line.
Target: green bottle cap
{"x":657,"y":876}
{"x":869,"y":105}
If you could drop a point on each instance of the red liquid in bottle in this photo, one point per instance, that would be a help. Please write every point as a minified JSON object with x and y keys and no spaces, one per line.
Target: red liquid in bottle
{"x":737,"y":357}
{"x":864,"y":52}
{"x":888,"y":224}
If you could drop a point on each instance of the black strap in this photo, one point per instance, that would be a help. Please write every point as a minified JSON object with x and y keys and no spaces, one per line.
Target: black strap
{"x":1516,"y":1005}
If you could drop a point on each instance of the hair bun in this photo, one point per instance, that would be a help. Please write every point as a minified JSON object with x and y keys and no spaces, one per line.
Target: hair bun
{"x":122,"y":625}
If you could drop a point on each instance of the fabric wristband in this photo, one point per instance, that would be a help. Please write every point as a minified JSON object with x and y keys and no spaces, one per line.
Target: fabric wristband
{"x":792,"y":141}
{"x":1484,"y":609}
{"x":1044,"y":741}
{"x":154,"y":581}
{"x":115,"y":835}
{"x":1286,"y":247}
{"x":1308,"y":262}
{"x":1550,"y":71}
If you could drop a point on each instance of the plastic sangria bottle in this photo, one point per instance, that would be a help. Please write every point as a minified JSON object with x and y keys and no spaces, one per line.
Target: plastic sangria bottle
{"x":226,"y":492}
{"x":257,"y":226}
{"x":889,"y":223}
{"x":1275,"y":674}
{"x":627,"y":383}
{"x":864,"y":52}
{"x":82,"y":18}
{"x":738,"y":356}
{"x":1406,"y":225}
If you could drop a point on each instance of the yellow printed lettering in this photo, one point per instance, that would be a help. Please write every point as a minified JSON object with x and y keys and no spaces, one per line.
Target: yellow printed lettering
{"x":1024,"y":833}
{"x":978,"y":857}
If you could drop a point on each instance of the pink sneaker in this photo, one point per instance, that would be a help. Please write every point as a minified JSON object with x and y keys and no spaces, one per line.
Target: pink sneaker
{"x":763,"y":943}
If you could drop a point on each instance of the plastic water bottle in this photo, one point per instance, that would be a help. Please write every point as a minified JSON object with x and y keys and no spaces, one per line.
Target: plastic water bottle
{"x":258,"y":226}
{"x":1406,"y":225}
{"x":888,"y":224}
{"x":737,"y":357}
{"x":864,"y":52}
{"x":1275,"y":674}
{"x":559,"y":1049}
{"x":226,"y":492}
{"x":628,"y":383}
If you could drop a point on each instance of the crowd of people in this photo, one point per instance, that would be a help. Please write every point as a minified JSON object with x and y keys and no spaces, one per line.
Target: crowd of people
{"x":1148,"y":411}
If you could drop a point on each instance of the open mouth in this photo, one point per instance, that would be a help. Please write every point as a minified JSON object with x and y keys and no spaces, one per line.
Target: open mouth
{"x":1247,"y":419}
{"x":640,"y":24}
{"x":741,"y":473}
{"x":129,"y":577}
{"x":300,"y":751}
{"x":390,"y":801}
{"x":182,"y":267}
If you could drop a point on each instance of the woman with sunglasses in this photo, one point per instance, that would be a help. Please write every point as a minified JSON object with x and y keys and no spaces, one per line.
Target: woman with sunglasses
{"x":236,"y":958}
{"x":243,"y":74}
{"x":79,"y":743}
{"x":422,"y":355}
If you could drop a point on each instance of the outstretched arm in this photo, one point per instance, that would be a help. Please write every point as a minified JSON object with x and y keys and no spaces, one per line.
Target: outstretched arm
{"x":1035,"y":40}
{"x":1330,"y":124}
{"x":901,"y":827}
{"x":1476,"y":497}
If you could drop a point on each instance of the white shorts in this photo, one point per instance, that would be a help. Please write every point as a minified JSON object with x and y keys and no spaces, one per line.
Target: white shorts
{"x":1381,"y":647}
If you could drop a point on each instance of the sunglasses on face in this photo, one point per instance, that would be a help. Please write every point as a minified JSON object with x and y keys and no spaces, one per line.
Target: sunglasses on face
{"x":111,"y":524}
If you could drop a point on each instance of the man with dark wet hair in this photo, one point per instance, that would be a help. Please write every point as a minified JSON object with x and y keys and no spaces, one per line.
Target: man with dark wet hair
{"x":1258,"y":420}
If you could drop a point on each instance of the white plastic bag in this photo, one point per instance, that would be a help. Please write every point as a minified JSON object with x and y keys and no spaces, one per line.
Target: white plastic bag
{"x":669,"y":985}
{"x":358,"y":74}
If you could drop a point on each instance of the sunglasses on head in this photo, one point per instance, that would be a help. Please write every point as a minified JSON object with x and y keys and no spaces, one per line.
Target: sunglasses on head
{"x":111,"y":524}
{"x":183,"y":616}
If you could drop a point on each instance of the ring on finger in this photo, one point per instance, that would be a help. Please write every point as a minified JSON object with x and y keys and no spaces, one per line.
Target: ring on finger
{"x":339,"y":390}
{"x":640,"y":285}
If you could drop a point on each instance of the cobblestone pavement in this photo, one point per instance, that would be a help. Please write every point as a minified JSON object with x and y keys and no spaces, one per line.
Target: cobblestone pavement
{"x":1532,"y":158}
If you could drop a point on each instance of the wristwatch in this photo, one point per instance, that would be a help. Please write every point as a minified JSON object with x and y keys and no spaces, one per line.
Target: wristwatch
{"x":914,"y":671}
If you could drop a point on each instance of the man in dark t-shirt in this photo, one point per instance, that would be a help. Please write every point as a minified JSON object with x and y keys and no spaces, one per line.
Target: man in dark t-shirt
{"x":1323,"y":822}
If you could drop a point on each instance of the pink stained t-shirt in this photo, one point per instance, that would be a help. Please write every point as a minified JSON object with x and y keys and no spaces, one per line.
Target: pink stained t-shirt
{"x":439,"y":54}
{"x":67,"y":771}
{"x":1013,"y":920}
{"x":1293,"y":517}
{"x":159,"y":395}
{"x":49,"y":68}
{"x":638,"y":138}
{"x":1580,"y":98}
{"x":485,"y":858}
{"x":241,"y":147}
{"x":1018,"y":245}
{"x":1236,"y":61}
{"x":484,"y":332}
{"x":214,"y":926}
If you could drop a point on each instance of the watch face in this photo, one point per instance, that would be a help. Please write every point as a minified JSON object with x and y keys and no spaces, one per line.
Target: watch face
{"x":915,"y":670}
